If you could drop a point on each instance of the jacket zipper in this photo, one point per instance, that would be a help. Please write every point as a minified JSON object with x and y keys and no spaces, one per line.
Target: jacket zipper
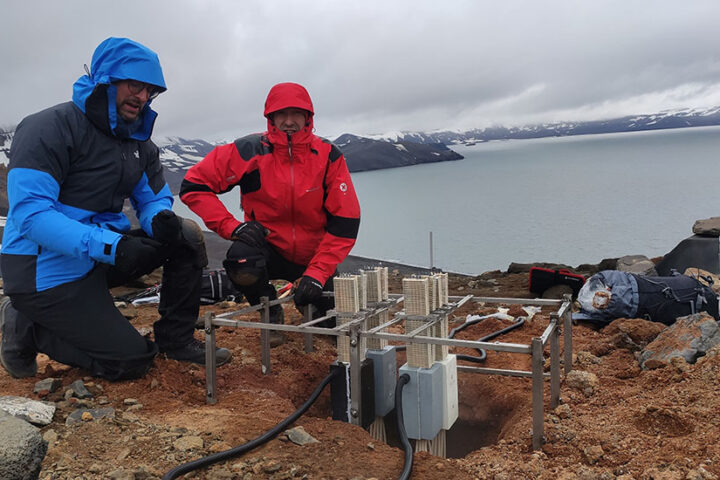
{"x":292,"y":196}
{"x":123,"y":161}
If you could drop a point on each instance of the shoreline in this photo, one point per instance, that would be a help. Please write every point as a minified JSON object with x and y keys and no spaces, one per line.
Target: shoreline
{"x":217,"y":247}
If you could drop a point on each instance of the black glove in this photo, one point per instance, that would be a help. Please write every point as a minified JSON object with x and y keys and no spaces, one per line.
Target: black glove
{"x":167,"y":227}
{"x":250,"y":233}
{"x":307,"y":291}
{"x":133,"y":254}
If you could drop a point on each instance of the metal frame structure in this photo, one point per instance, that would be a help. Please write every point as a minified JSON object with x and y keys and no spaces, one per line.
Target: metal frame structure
{"x":560,"y":323}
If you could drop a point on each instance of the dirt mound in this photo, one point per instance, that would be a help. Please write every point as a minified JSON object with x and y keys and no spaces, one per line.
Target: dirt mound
{"x":659,"y":424}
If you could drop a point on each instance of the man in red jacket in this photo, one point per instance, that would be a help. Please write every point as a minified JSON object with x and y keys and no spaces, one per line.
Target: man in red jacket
{"x":301,"y":212}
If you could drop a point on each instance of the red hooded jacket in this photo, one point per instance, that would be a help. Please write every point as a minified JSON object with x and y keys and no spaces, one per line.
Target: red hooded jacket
{"x":298,"y":188}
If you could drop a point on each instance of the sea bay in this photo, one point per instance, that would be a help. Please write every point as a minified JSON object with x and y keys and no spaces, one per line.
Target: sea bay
{"x":571,"y":200}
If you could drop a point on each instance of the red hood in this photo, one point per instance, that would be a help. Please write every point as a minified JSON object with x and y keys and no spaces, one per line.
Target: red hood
{"x":289,"y":95}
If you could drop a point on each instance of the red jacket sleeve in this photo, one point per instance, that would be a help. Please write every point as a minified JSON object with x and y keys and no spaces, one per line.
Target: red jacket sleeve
{"x":217,"y":173}
{"x":343,"y":213}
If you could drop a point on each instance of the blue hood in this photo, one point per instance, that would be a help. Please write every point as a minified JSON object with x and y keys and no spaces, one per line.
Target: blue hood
{"x":121,"y":59}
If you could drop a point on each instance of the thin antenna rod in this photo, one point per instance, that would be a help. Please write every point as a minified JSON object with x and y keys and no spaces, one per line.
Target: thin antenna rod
{"x":431,"y":252}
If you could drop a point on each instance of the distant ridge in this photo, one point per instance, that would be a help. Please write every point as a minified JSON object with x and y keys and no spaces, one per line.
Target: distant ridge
{"x":632,"y":123}
{"x":364,"y":154}
{"x":400,"y":149}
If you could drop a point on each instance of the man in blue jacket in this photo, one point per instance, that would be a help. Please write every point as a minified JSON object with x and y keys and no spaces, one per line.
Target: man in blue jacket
{"x":67,"y":240}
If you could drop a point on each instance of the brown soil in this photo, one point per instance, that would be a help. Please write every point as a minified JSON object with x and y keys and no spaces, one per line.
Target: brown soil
{"x":659,"y":424}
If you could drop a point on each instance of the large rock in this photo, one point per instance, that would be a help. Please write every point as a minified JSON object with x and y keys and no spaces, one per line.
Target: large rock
{"x":586,"y":382}
{"x":709,"y":227}
{"x":688,"y":338}
{"x":22,"y":449}
{"x":706,"y":278}
{"x":39,"y":413}
{"x":592,"y":269}
{"x":639,"y":264}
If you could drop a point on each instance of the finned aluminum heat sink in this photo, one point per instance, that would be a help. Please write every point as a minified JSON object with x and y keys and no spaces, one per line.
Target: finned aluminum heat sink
{"x":383,"y":282}
{"x":440,"y":330}
{"x":444,"y":299}
{"x":440,"y":281}
{"x":372,"y":322}
{"x":349,"y":298}
{"x":362,"y":291}
{"x":433,"y":291}
{"x":417,"y":302}
{"x":347,"y":294}
{"x":437,"y":284}
{"x":374,"y":285}
{"x":416,"y":292}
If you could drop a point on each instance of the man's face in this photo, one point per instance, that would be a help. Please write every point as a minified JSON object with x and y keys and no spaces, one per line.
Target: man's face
{"x":290,"y":120}
{"x":131,"y":98}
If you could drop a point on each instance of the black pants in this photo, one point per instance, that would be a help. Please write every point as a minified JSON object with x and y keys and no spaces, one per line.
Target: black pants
{"x":251,"y":268}
{"x":77,"y":324}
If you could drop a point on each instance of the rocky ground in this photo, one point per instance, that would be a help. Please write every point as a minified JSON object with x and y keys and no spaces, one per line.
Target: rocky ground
{"x":615,"y":421}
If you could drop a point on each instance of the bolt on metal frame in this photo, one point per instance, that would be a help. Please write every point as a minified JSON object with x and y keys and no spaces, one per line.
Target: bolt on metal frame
{"x":355,"y":331}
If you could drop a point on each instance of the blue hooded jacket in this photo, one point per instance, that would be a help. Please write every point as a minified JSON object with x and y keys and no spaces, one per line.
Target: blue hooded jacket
{"x":121,"y":59}
{"x":70,"y":171}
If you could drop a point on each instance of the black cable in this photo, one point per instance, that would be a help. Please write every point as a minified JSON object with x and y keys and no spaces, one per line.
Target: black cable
{"x":407,"y":465}
{"x":471,"y":358}
{"x":483,"y":354}
{"x":463,"y":326}
{"x":254,"y":443}
{"x":490,"y":336}
{"x":515,"y":325}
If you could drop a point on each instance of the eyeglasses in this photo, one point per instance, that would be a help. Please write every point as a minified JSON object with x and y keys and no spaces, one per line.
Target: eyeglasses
{"x":136,"y":88}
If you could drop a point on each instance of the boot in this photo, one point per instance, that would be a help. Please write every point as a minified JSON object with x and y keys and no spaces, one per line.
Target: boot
{"x":195,"y":352}
{"x":277,"y":316}
{"x":17,"y":348}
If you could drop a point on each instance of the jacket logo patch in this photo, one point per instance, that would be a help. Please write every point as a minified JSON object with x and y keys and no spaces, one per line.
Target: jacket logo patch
{"x":343,"y":187}
{"x":137,"y":154}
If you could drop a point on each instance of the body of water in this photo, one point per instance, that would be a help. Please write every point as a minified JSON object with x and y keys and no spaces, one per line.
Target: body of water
{"x":569,"y":200}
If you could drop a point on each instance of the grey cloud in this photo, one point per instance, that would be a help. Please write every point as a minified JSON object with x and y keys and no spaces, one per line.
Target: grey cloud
{"x":372,"y":66}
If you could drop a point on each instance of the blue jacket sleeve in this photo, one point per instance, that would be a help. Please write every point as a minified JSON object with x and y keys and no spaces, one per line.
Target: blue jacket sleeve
{"x":151,"y":194}
{"x":38,"y":216}
{"x":147,"y":203}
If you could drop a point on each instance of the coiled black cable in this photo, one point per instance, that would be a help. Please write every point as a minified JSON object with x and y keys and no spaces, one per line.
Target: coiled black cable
{"x":473,"y":358}
{"x":254,"y":443}
{"x":482,"y":353}
{"x":407,"y":465}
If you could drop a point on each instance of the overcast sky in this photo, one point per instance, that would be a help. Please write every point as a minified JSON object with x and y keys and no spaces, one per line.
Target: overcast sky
{"x":374,"y":66}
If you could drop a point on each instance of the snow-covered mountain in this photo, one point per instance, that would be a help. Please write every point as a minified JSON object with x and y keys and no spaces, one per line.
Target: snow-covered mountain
{"x":398,"y":149}
{"x":178,"y":154}
{"x":363,"y":153}
{"x":667,"y":119}
{"x":6,"y":136}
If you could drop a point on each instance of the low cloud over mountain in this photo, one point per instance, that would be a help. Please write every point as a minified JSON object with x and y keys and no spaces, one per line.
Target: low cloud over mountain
{"x":402,"y":149}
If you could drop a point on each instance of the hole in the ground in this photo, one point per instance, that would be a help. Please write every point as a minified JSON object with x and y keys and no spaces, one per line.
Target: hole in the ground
{"x":466,"y":436}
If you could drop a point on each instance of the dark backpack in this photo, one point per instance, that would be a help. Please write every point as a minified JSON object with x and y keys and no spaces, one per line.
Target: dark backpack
{"x":664,"y":299}
{"x":612,"y":294}
{"x":216,"y":287}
